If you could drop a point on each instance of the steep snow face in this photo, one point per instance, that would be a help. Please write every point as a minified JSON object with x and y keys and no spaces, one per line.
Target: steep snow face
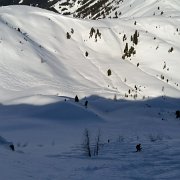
{"x":98,"y":9}
{"x":46,"y":53}
{"x":118,"y":9}
{"x":46,"y":4}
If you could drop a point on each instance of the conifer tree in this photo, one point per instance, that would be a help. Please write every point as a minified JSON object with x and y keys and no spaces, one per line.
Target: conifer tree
{"x":135,"y":38}
{"x":126,"y":48}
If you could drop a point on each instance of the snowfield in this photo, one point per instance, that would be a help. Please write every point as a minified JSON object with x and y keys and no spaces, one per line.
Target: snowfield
{"x":47,"y":59}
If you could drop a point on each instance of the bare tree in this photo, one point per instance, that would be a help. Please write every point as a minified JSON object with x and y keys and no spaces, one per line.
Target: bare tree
{"x":87,"y":143}
{"x":97,"y":143}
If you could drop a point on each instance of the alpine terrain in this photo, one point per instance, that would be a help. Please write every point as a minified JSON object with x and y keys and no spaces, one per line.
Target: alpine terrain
{"x":81,"y":87}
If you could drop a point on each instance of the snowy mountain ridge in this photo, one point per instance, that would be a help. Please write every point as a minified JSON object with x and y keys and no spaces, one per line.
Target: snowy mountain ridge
{"x":117,"y":9}
{"x":93,"y":9}
{"x":45,"y":4}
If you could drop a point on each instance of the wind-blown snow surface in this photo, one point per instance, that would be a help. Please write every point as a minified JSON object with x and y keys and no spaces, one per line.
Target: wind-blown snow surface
{"x":41,"y":72}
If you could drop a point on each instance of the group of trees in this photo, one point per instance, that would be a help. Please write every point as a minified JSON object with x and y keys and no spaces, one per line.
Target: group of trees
{"x":76,"y":99}
{"x":94,"y":32}
{"x":128,"y":52}
{"x":68,"y":35}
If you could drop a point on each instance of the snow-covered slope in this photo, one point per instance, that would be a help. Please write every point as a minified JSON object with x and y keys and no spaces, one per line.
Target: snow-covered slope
{"x":39,"y":58}
{"x":47,"y":59}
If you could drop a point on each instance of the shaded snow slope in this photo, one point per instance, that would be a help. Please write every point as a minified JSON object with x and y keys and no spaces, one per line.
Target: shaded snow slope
{"x":38,"y":57}
{"x":53,"y":145}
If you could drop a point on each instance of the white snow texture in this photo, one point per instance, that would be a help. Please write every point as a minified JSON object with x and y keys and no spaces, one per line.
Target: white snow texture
{"x":133,"y":94}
